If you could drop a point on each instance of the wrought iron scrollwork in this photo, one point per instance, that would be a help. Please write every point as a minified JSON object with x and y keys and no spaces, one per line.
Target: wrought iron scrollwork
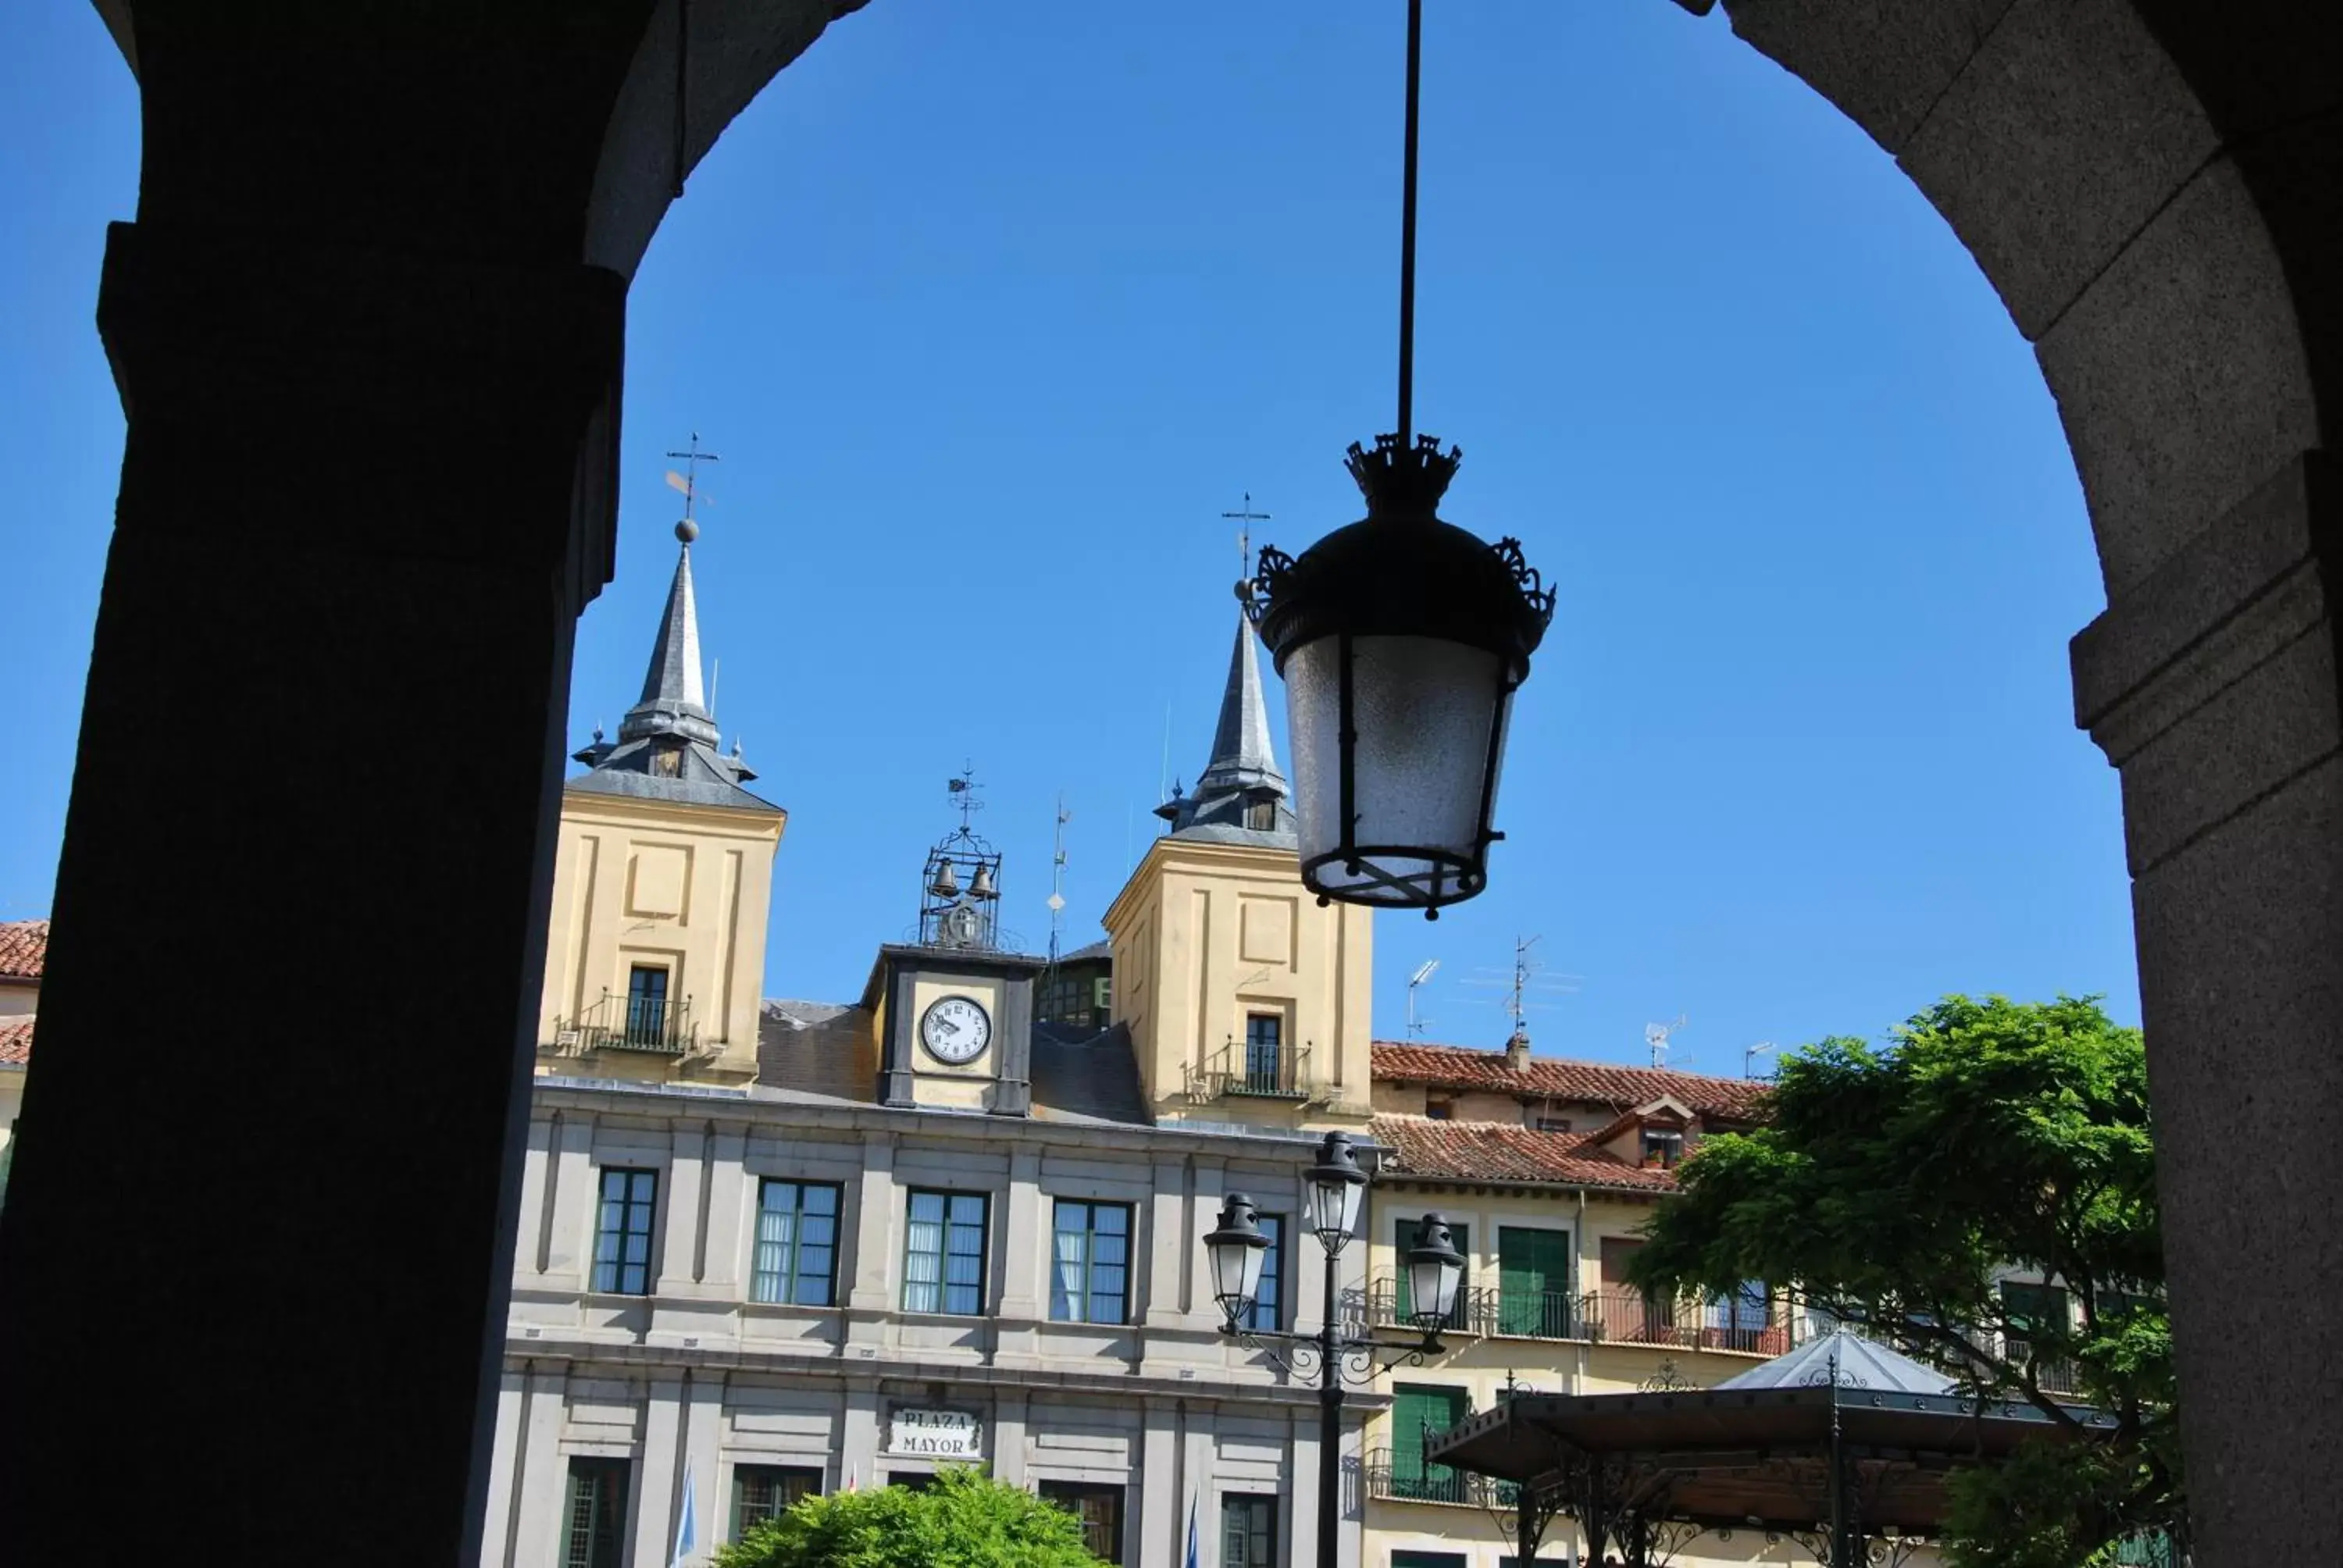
{"x":1268,"y":581}
{"x":1665,"y":1378}
{"x":1303,"y":1359}
{"x":1525,"y":577}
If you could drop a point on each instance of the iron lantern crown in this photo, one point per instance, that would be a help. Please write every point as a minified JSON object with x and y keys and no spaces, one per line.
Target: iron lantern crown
{"x":1401,"y":639}
{"x":1337,"y":1187}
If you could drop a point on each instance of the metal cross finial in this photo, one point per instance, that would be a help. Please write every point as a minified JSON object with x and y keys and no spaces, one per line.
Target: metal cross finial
{"x":688,"y":480}
{"x":1244,"y":520}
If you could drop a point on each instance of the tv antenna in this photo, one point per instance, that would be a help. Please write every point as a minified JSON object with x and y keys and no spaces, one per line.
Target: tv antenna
{"x":1750,"y":1055}
{"x":1058,"y":877}
{"x":1423,"y":972}
{"x":1657,"y":1035}
{"x":1523,"y":984}
{"x":688,"y":480}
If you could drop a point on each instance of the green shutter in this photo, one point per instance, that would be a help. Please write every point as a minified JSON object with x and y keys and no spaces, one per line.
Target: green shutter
{"x":1415,"y":1410}
{"x":1534,"y":1281}
{"x":1403,"y":1239}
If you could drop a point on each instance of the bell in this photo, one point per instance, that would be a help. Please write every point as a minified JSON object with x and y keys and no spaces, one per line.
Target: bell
{"x":947,"y":882}
{"x":983,"y":887}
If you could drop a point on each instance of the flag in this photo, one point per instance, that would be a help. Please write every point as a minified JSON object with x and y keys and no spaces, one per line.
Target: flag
{"x":686,"y":1524}
{"x":849,"y":1478}
{"x":1190,"y":1562}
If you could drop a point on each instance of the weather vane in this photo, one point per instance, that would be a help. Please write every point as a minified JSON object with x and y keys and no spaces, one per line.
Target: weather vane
{"x":1244,"y":520}
{"x":962,"y":787}
{"x":688,"y":480}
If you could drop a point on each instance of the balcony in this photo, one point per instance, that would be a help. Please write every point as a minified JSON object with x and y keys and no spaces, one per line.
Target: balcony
{"x":1240,"y":1071}
{"x":652,"y":1026}
{"x":1609,"y":1316}
{"x":1416,"y":1482}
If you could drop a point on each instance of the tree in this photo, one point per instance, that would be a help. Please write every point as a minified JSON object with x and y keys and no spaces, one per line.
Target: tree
{"x":964,"y":1519}
{"x":1891,"y":1188}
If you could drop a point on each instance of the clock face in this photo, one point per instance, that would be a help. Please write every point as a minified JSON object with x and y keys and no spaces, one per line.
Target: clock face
{"x":956,"y":1030}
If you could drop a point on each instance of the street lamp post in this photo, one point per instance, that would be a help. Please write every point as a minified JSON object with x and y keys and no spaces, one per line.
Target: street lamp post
{"x":1235,"y":1250}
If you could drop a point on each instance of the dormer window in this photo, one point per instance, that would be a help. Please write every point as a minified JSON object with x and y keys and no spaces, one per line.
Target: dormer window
{"x":1439,"y":1107}
{"x":1663,"y":1147}
{"x":1261,"y":816}
{"x":667,"y":762}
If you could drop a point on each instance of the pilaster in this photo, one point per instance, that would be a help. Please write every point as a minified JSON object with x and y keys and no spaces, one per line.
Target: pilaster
{"x":542,"y":1483}
{"x":1165,"y":1286}
{"x":659,"y":1474}
{"x":684,"y":1241}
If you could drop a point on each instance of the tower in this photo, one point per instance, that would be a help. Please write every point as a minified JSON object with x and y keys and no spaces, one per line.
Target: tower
{"x":655,"y":958}
{"x":1247,"y":1000}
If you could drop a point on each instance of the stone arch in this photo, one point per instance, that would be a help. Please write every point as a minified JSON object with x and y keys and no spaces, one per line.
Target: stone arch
{"x":361,"y":224}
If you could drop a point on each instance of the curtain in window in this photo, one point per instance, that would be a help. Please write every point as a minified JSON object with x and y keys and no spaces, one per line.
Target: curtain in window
{"x":776,"y":1237}
{"x":1068,"y":1301}
{"x":924,"y":1255}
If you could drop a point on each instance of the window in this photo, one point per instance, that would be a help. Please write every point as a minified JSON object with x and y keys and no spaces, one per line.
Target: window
{"x":1264,"y":1052}
{"x":797,"y":1244}
{"x":1439,"y":1106}
{"x":1089,"y":1282}
{"x":2114,"y":1306}
{"x":595,"y":1533}
{"x":912,"y":1480}
{"x":944,"y":1254}
{"x":2030,"y":1306}
{"x":646,"y":1005}
{"x":1533,"y":1295}
{"x":622,"y":1236}
{"x":1102,"y":993}
{"x":1261,"y":816}
{"x":1552,"y":1123}
{"x":1419,"y":1413}
{"x":1249,"y":1533}
{"x":762,"y":1491}
{"x":1663,"y":1144}
{"x":1099,"y":1508}
{"x":1429,"y":1560}
{"x":1741,"y":1318}
{"x":1268,"y":1305}
{"x":1405,"y":1237}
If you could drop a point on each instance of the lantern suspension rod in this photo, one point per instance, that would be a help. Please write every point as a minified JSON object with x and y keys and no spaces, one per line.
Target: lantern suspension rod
{"x":1407,"y":231}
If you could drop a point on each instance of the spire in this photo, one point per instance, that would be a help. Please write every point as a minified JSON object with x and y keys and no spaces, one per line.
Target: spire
{"x":1242,"y":753}
{"x":1241,"y":795}
{"x":674,"y":701}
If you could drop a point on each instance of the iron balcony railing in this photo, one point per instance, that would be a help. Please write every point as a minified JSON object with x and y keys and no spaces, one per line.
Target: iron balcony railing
{"x":1612,"y":1315}
{"x":1398,"y":1478}
{"x":1240,"y":1069}
{"x":659,"y":1026}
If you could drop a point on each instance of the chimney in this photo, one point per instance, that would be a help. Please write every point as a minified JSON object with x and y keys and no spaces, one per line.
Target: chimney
{"x":1517,"y":1051}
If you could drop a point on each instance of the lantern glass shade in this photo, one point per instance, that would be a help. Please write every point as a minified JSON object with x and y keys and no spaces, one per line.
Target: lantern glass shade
{"x":1337,"y":1188}
{"x":1435,"y":1270}
{"x":1235,"y":1252}
{"x":1427,"y":719}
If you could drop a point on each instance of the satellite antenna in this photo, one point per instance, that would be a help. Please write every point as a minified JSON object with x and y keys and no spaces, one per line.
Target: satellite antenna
{"x":1657,"y":1035}
{"x":1423,"y":972}
{"x":1058,"y":877}
{"x":1752,"y":1053}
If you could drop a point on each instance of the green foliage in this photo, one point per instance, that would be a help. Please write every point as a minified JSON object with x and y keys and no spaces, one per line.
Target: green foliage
{"x":964,"y":1520}
{"x":1892,"y":1186}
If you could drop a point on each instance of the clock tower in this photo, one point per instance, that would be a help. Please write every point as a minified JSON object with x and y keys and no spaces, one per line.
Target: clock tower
{"x":953,"y":1011}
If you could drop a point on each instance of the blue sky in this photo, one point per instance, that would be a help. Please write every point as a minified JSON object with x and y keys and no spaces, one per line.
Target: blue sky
{"x":992,"y":314}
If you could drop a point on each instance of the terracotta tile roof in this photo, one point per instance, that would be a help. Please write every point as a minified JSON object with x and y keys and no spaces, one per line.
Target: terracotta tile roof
{"x":16,"y":1042}
{"x":1563,"y":1078}
{"x":23,"y":946}
{"x":1500,"y":1152}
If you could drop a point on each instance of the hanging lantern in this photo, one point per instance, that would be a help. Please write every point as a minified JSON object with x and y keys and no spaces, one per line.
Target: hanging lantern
{"x":1402,"y":641}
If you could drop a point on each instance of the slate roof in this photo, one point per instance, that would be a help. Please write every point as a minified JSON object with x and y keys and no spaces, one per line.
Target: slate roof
{"x":1501,"y":1152}
{"x":797,"y":1051}
{"x":16,"y":1042}
{"x":1244,"y":770}
{"x":1848,"y":1360}
{"x":672,"y":717}
{"x":24,"y":948}
{"x":1564,"y":1077}
{"x":1080,"y":1076}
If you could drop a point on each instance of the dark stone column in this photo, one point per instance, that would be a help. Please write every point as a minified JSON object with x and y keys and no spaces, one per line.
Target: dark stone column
{"x":258,"y":1245}
{"x":2212,"y":684}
